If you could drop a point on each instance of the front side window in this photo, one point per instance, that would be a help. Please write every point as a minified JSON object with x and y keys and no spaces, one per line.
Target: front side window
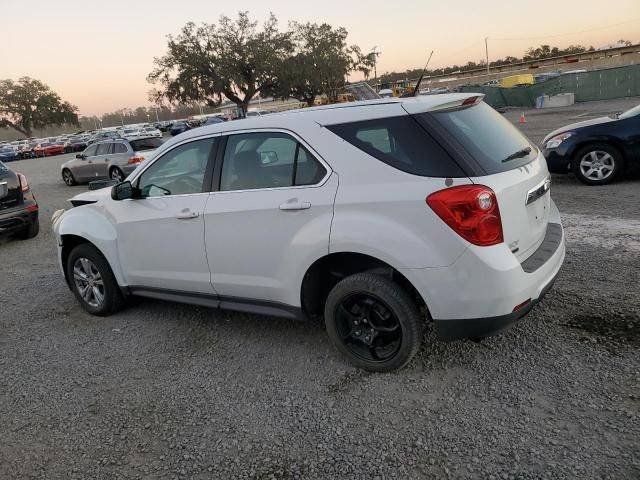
{"x":267,"y":160}
{"x":181,"y":171}
{"x":90,"y":151}
{"x":103,"y":148}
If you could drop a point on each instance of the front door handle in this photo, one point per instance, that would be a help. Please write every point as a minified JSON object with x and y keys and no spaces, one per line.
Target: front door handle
{"x":187,"y":215}
{"x":295,"y":204}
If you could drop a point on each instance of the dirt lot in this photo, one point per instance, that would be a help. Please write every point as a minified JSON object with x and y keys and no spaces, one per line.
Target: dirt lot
{"x":171,"y":391}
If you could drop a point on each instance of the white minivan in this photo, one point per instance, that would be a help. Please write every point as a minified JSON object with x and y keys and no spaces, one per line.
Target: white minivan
{"x":376,"y":217}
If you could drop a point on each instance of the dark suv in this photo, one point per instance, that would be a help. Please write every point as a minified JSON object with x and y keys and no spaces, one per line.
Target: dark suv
{"x":18,"y":206}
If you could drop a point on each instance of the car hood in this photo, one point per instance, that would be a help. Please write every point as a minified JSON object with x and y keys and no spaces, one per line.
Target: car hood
{"x":573,"y":126}
{"x":92,"y":196}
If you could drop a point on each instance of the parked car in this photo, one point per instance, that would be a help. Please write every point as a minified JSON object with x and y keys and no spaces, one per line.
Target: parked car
{"x":113,"y":159}
{"x":46,"y":149}
{"x":8,"y":154}
{"x":18,"y":206}
{"x":598,"y":150}
{"x":77,"y":144}
{"x":212,"y":121}
{"x":179,"y":127}
{"x":150,"y":132}
{"x":442,"y":211}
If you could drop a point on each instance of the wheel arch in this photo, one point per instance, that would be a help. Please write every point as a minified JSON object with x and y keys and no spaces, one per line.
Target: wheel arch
{"x":322,"y":275}
{"x":607,"y":140}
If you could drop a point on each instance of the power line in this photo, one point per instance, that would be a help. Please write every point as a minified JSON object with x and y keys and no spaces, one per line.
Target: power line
{"x":571,"y":33}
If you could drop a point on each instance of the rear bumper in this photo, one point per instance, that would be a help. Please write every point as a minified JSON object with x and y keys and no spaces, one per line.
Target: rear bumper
{"x":17,"y":219}
{"x":485,"y":327}
{"x":476,"y":296}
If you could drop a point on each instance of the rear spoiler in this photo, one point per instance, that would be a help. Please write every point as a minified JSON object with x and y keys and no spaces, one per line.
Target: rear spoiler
{"x":467,"y":100}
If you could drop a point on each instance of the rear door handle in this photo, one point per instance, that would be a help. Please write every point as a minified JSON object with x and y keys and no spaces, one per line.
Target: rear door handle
{"x":187,"y":215}
{"x":295,"y":204}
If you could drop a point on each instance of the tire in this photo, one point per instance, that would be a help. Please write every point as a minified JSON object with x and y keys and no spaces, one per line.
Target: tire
{"x":68,"y":177}
{"x":364,"y":295}
{"x":116,"y":174}
{"x":98,"y":274}
{"x":30,"y":232}
{"x":597,"y":164}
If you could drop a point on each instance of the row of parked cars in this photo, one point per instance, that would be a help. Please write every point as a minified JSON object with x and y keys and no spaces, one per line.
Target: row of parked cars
{"x":77,"y":142}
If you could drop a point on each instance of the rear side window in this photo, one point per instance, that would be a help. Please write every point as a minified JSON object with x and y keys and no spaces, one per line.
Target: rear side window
{"x":145,"y":144}
{"x":486,"y":135}
{"x":119,"y":148}
{"x":401,"y":143}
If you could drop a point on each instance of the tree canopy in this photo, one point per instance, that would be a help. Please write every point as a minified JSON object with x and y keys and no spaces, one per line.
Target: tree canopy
{"x":29,"y":104}
{"x":236,"y":60}
{"x":233,"y":59}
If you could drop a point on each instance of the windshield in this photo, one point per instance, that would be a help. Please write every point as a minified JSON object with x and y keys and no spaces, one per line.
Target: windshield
{"x":145,"y":144}
{"x":6,"y":149}
{"x":631,"y":112}
{"x":487,"y":136}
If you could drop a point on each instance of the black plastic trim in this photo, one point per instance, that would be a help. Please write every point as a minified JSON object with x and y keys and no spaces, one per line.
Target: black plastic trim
{"x":549,"y":246}
{"x":476,"y":328}
{"x":257,"y":307}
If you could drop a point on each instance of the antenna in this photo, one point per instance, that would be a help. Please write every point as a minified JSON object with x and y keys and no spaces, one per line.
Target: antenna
{"x":417,"y":89}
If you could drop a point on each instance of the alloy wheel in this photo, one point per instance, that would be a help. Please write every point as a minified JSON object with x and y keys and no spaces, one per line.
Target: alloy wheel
{"x":368,"y":327}
{"x":597,"y":165}
{"x":117,"y":175}
{"x":88,"y":282}
{"x":67,"y":177}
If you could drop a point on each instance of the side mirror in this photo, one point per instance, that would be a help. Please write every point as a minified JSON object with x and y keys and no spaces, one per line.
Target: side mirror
{"x":122,"y":191}
{"x":81,"y":156}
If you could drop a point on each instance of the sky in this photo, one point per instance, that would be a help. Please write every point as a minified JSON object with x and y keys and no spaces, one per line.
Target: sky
{"x":97,"y":55}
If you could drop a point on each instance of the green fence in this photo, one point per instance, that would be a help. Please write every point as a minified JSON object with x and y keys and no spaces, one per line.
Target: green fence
{"x":596,"y":85}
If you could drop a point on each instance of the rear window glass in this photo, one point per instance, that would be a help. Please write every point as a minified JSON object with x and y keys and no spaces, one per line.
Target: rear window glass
{"x":145,"y":144}
{"x":494,"y":142}
{"x":401,"y":143}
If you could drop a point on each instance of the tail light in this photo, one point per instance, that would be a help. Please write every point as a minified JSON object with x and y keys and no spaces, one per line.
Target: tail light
{"x":471,"y":211}
{"x":24,"y":183}
{"x":135,"y":160}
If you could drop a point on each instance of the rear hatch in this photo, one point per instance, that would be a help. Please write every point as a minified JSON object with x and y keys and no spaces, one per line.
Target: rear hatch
{"x":10,"y":191}
{"x":496,"y":154}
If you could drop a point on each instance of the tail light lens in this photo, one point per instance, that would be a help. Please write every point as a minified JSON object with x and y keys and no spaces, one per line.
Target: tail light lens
{"x":136,"y":160}
{"x":24,"y":183}
{"x":471,"y":211}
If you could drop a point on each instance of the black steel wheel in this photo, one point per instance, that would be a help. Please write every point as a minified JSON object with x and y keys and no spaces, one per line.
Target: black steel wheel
{"x":374,"y":322}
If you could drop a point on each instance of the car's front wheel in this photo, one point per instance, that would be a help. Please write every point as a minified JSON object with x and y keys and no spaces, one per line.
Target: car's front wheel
{"x":67,"y":176}
{"x":92,"y":281}
{"x":374,"y":322}
{"x":597,"y":164}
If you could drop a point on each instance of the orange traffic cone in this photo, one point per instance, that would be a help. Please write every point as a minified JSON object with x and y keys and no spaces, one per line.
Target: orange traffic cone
{"x":523,"y":119}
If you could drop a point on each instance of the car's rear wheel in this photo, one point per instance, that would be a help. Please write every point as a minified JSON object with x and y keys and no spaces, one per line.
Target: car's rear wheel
{"x":30,"y":232}
{"x":597,"y":164}
{"x":68,"y":178}
{"x":116,"y":174}
{"x":374,"y":322}
{"x":92,"y":281}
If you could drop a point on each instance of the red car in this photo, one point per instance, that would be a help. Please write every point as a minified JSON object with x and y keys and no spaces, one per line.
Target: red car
{"x":46,"y":149}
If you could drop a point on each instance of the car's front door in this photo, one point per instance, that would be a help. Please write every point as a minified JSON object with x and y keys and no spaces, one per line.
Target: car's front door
{"x":161,"y":233}
{"x":83,"y":168}
{"x":270,"y":217}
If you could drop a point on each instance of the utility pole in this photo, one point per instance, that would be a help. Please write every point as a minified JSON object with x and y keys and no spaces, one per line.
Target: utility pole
{"x":375,"y":64}
{"x":157,"y":117}
{"x":486,"y":51}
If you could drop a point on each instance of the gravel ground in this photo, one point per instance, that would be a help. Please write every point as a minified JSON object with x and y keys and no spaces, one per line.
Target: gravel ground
{"x":172,"y":391}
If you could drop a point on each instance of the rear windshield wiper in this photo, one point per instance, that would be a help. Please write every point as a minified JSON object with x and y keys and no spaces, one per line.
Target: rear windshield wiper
{"x":519,"y":154}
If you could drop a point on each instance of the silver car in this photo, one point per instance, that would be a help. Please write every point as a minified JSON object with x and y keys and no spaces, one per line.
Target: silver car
{"x":109,"y":159}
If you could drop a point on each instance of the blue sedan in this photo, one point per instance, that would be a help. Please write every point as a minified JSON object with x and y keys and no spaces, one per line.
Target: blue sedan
{"x":597,"y":150}
{"x":8,"y":154}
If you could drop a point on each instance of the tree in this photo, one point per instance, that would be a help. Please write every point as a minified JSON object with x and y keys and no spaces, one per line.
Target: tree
{"x":29,"y":104}
{"x":209,"y":62}
{"x":319,"y":63}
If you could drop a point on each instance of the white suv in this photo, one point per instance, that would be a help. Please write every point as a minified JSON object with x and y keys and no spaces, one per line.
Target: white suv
{"x":375,"y":216}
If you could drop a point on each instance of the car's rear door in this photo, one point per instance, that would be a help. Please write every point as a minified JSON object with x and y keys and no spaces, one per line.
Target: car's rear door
{"x":271,"y":215}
